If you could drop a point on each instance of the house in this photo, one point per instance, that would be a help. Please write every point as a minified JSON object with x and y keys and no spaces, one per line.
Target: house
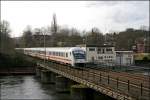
{"x":99,"y":54}
{"x":124,"y":57}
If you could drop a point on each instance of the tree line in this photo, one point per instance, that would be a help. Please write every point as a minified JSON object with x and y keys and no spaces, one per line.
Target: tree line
{"x":66,"y":37}
{"x":8,"y":56}
{"x":56,"y":36}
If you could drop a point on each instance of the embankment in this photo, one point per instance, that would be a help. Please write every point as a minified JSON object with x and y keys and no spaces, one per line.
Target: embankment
{"x":17,"y":71}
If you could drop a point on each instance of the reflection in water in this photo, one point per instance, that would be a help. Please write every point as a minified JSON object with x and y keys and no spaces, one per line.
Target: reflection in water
{"x":28,"y":87}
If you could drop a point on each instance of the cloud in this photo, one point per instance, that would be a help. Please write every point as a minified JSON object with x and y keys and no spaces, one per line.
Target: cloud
{"x":130,"y":13}
{"x":83,"y":15}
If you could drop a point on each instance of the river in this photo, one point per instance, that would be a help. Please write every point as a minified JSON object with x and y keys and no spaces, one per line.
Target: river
{"x":28,"y":87}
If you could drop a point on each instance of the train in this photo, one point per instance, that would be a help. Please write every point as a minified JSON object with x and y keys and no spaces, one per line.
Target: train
{"x":74,"y":56}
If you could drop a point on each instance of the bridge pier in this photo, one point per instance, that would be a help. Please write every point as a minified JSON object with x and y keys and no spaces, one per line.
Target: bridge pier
{"x":45,"y":76}
{"x":38,"y":72}
{"x":100,"y":96}
{"x":53,"y":77}
{"x":62,"y":84}
{"x":81,"y":92}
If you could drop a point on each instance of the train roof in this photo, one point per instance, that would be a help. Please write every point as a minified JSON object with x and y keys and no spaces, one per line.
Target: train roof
{"x":60,"y":49}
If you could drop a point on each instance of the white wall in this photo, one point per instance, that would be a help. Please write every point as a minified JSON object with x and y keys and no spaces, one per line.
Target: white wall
{"x":126,"y":58}
{"x":100,"y":56}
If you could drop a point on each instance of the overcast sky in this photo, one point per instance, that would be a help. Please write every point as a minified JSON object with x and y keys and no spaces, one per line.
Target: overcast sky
{"x":83,"y":15}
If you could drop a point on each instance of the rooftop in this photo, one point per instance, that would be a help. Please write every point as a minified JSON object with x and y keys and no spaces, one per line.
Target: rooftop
{"x":85,"y":45}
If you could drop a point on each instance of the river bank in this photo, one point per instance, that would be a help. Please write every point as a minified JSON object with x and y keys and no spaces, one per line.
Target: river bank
{"x":17,"y":71}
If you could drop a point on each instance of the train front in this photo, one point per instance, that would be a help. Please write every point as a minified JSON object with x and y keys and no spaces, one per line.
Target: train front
{"x":79,"y":58}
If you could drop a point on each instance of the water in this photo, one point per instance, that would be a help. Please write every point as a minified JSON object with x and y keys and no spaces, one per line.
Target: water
{"x":28,"y":87}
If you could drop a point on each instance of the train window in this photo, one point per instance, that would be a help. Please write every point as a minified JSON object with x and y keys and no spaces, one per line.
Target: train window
{"x":66,"y":54}
{"x":91,"y":49}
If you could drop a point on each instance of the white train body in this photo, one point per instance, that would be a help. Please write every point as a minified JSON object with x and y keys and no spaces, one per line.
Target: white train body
{"x":73,"y":56}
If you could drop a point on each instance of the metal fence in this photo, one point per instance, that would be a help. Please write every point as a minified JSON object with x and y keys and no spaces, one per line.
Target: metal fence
{"x":131,"y":87}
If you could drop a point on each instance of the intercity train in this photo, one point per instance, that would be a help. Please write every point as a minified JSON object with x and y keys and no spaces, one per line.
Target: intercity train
{"x":74,"y":56}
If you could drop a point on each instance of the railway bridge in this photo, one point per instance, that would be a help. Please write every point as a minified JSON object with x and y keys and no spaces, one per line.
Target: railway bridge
{"x":118,"y":85}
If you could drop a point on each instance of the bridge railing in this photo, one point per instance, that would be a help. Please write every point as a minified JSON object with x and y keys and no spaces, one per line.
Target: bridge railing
{"x":127,"y":87}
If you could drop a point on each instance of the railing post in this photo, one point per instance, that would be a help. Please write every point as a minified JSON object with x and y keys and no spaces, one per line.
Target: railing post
{"x":75,"y":73}
{"x":108,"y":79}
{"x":141,"y":89}
{"x":93,"y":76}
{"x":100,"y":78}
{"x":79,"y":74}
{"x":82,"y":74}
{"x":89,"y":75}
{"x":117,"y":82}
{"x":128,"y":85}
{"x":67,"y":69}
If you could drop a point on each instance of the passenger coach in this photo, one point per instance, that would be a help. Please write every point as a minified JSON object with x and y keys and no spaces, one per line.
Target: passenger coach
{"x":74,"y":56}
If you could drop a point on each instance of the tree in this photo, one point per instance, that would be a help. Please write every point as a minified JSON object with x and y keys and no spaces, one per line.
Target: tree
{"x":94,"y":37}
{"x":27,"y":37}
{"x":6,"y":42}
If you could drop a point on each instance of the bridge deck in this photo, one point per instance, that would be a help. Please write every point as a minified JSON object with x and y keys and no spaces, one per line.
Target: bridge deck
{"x":121,"y":86}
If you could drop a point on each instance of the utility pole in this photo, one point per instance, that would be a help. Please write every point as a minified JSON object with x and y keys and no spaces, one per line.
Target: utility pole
{"x":44,"y":48}
{"x":43,"y":31}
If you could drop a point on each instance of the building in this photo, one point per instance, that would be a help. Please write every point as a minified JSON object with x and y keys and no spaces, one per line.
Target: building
{"x":99,"y":54}
{"x":124,"y":57}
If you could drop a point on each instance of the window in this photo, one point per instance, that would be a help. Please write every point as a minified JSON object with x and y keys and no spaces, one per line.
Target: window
{"x":103,"y":51}
{"x":91,"y":49}
{"x":108,"y":49}
{"x":79,"y":54}
{"x":66,"y":54}
{"x":98,"y":49}
{"x":100,"y":57}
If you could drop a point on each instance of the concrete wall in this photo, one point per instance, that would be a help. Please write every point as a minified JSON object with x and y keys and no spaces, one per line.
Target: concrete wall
{"x":124,"y":57}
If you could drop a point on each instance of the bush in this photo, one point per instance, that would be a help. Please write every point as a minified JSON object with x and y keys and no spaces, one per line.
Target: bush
{"x":16,"y":60}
